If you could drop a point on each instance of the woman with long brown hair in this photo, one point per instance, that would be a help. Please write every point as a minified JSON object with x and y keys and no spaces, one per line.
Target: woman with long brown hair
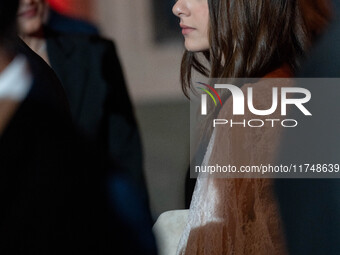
{"x":239,"y":39}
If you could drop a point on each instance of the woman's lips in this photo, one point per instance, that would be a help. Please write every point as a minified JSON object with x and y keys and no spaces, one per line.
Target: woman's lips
{"x":29,"y":13}
{"x":186,"y":30}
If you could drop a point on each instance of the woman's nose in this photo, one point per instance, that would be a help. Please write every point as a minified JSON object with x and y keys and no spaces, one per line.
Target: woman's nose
{"x":180,"y":8}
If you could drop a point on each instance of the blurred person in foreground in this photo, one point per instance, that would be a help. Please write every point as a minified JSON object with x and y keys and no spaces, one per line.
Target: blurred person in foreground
{"x":91,"y":74}
{"x":51,"y":201}
{"x":38,"y":183}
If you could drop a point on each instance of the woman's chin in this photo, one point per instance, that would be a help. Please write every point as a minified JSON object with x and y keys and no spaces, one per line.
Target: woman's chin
{"x":31,"y":27}
{"x":194,"y":47}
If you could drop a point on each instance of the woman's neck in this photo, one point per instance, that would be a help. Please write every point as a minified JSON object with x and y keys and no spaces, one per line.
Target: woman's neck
{"x":35,"y":41}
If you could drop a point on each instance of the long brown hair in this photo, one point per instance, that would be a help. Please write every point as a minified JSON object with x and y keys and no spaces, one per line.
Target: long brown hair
{"x":249,"y":38}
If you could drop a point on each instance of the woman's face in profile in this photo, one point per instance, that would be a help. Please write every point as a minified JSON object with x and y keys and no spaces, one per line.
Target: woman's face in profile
{"x":194,"y":21}
{"x":30,"y":16}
